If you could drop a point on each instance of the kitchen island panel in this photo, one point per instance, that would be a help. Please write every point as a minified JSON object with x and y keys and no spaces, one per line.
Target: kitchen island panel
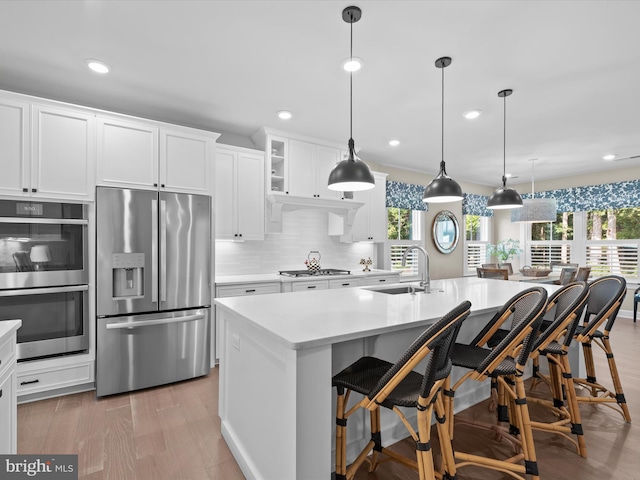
{"x":271,"y":402}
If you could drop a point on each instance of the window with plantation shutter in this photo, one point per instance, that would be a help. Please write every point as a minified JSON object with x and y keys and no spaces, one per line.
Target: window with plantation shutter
{"x":403,"y":230}
{"x":613,"y":258}
{"x":476,"y":239}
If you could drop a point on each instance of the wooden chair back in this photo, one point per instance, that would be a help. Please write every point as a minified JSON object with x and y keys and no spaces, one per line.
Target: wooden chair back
{"x":507,"y":266}
{"x":499,"y":273}
{"x":490,"y":265}
{"x":583,"y":274}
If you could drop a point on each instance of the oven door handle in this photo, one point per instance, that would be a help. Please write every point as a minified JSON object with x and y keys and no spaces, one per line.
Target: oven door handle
{"x":150,"y":323}
{"x":45,"y":221}
{"x":40,"y":291}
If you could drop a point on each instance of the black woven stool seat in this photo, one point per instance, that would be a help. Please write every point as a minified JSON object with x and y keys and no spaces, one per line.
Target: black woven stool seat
{"x":468,"y":356}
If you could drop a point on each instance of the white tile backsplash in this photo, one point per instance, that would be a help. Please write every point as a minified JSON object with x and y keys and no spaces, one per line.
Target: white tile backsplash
{"x":302,"y":232}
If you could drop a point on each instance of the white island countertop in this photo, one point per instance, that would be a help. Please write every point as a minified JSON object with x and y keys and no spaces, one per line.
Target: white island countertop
{"x":280,"y":351}
{"x":308,"y":319}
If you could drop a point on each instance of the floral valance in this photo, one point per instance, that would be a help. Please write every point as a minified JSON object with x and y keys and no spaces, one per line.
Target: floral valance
{"x":473,"y":204}
{"x":611,"y":195}
{"x":594,"y":197}
{"x":405,"y":195}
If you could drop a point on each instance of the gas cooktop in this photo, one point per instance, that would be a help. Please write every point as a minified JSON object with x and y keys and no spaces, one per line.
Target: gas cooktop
{"x":319,"y":273}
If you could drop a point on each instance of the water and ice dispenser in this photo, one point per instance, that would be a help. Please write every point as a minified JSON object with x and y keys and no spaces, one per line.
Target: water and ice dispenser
{"x":128,"y":275}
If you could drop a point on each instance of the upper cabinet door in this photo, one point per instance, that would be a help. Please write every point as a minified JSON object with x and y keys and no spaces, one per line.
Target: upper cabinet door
{"x":326,"y":160}
{"x":62,"y":153}
{"x":127,"y":153}
{"x":250,"y":196}
{"x":14,"y":148}
{"x":225,"y":195}
{"x":302,"y":177}
{"x":186,"y":160}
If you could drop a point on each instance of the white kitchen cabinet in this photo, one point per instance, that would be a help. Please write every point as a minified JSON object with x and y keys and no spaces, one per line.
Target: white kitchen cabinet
{"x":309,"y":285}
{"x":344,"y":283}
{"x":8,"y":402}
{"x":277,"y":155}
{"x":309,"y":168}
{"x":47,"y":151}
{"x":370,"y":222}
{"x":127,"y":153}
{"x":14,"y":147}
{"x":375,"y":279}
{"x":55,"y":376}
{"x":142,"y":154}
{"x":186,"y":159}
{"x":239,"y":194}
{"x":237,"y":290}
{"x":62,"y":153}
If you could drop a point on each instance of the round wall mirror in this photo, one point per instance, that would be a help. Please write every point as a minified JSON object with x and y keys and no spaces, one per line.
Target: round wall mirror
{"x":446,"y":231}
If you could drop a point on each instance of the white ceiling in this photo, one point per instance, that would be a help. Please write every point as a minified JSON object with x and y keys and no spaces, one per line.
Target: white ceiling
{"x":229,"y":66}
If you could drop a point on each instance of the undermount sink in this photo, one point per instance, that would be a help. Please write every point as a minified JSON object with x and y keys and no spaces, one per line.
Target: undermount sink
{"x":403,"y":289}
{"x":399,"y":290}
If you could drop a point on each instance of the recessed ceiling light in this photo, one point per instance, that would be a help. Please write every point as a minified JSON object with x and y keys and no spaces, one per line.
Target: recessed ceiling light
{"x":609,"y":157}
{"x":98,"y":66}
{"x":394,"y":143}
{"x":471,"y":114}
{"x":352,"y":64}
{"x":284,"y":114}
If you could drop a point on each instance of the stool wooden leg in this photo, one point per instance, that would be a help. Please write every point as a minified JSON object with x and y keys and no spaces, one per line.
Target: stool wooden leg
{"x":524,"y":424}
{"x":341,"y":437}
{"x":572,"y":404}
{"x":446,"y":448}
{"x":622,"y":402}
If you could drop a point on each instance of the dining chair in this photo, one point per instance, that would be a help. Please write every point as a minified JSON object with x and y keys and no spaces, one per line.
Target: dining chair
{"x":583,"y":274}
{"x":395,"y":386}
{"x":567,"y":276}
{"x":499,"y":273}
{"x":636,"y":299}
{"x":490,"y":265}
{"x":508,"y":266}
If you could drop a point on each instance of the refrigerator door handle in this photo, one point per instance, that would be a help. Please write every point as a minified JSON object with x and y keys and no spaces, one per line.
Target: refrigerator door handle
{"x":148,"y":323}
{"x":163,"y":251}
{"x":154,"y":251}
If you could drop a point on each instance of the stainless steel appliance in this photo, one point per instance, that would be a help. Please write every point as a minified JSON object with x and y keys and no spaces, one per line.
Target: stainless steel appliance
{"x":317,"y":273}
{"x":42,"y":244}
{"x":153,"y":288}
{"x":44,"y":276}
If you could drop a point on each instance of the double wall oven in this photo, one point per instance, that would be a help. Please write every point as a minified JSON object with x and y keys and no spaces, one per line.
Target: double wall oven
{"x":44,"y":276}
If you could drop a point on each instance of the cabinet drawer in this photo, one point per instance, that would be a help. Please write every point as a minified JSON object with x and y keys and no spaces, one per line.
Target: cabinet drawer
{"x":379,"y":280}
{"x":247,"y":289}
{"x":343,"y":283}
{"x":7,"y":351}
{"x":32,"y":382}
{"x":303,"y":286}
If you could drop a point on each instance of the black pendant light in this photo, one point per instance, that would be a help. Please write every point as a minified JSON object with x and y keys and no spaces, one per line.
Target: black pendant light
{"x":352,"y":174}
{"x":504,"y":197}
{"x":443,"y":188}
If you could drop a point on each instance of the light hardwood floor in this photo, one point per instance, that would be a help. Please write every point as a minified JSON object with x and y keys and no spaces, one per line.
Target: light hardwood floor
{"x":173,"y":432}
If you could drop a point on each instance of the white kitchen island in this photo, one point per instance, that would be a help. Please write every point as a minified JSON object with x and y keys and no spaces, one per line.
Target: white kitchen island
{"x":280,"y":351}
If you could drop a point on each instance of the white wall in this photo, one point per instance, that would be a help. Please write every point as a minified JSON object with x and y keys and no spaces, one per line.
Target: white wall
{"x":302,"y":231}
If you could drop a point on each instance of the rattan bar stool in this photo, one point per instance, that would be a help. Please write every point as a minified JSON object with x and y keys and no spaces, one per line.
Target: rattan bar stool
{"x":504,"y":364}
{"x":567,"y":305}
{"x":605,"y":298}
{"x":396,"y":385}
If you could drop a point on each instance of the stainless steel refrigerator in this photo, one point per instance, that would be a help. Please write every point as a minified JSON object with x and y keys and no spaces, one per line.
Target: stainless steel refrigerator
{"x":153,"y":288}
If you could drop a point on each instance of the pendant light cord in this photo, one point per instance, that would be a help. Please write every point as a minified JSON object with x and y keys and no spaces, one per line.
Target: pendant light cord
{"x":442,"y":119}
{"x":504,"y":144}
{"x":351,"y":85}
